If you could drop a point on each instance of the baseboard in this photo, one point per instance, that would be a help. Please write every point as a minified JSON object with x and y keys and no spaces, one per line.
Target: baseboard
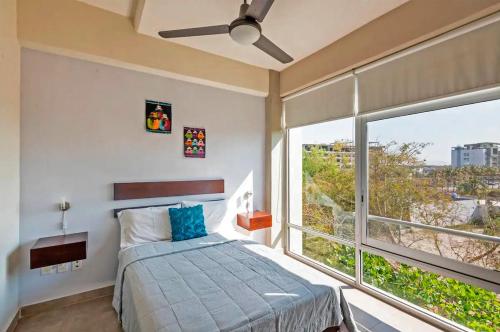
{"x":13,"y":323}
{"x":37,"y":308}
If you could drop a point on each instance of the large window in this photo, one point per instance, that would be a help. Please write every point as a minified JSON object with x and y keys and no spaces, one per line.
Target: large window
{"x":426,"y":200}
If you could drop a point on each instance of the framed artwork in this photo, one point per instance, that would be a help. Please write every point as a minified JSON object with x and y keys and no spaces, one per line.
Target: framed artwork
{"x":158,"y":117}
{"x":195,"y":142}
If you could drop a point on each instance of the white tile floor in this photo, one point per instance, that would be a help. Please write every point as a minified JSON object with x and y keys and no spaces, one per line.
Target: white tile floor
{"x":374,"y":315}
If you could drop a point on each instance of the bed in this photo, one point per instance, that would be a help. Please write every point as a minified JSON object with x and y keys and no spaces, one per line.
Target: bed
{"x":217,"y":283}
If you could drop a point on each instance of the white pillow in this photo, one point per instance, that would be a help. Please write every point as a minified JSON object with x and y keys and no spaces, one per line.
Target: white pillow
{"x":213,"y":212}
{"x":145,"y":225}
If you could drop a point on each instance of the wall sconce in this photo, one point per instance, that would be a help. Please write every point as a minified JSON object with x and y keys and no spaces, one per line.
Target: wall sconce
{"x":63,"y":207}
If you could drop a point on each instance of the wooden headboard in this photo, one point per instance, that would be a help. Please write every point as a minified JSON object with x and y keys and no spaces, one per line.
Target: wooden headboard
{"x":138,"y":190}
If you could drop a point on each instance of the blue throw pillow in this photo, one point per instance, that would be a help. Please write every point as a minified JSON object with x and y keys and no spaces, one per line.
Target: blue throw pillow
{"x":187,"y":223}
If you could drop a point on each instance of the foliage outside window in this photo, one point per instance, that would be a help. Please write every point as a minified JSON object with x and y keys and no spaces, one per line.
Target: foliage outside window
{"x":468,"y":305}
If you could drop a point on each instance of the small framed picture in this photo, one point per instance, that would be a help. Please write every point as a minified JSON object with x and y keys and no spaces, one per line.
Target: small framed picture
{"x":158,"y":117}
{"x":195,"y":142}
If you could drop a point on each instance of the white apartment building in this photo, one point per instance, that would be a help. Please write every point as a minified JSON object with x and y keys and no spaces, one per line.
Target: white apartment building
{"x":478,"y":154}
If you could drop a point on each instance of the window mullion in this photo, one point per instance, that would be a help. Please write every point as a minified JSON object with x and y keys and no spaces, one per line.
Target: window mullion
{"x":360,"y":199}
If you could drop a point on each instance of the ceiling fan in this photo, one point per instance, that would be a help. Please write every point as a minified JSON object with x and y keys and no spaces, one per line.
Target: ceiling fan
{"x":245,"y":30}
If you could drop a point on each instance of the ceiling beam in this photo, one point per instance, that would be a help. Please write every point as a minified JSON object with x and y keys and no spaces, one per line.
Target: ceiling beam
{"x":138,"y":14}
{"x":79,"y":30}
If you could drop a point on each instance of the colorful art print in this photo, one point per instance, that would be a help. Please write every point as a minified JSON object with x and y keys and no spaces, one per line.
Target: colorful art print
{"x":158,"y":117}
{"x":195,"y":142}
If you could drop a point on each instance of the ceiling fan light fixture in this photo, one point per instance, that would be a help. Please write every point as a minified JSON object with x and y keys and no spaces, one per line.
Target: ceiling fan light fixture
{"x":245,"y":32}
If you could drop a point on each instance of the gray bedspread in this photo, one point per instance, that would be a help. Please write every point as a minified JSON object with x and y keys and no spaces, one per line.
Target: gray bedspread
{"x":215,"y":284}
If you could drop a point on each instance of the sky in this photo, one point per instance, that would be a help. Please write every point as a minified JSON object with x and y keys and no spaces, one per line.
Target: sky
{"x":443,"y":129}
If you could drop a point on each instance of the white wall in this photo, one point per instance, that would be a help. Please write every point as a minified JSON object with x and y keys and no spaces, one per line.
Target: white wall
{"x":9,"y":162}
{"x":82,"y":129}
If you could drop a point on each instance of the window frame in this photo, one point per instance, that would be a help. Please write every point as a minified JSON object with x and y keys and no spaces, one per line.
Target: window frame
{"x":468,"y":273}
{"x":446,"y":267}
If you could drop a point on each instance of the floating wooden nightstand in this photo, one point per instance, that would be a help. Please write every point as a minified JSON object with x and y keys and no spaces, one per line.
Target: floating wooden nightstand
{"x":58,"y":249}
{"x":254,"y":220}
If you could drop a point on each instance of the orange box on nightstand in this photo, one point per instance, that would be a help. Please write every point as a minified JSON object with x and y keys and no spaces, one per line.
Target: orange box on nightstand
{"x":254,"y":220}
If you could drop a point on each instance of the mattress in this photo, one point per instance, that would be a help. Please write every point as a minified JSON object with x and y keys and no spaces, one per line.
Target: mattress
{"x":217,"y":284}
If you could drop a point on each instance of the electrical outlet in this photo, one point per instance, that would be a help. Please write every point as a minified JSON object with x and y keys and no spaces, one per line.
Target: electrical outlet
{"x":61,"y":268}
{"x":76,"y":265}
{"x":48,"y":270}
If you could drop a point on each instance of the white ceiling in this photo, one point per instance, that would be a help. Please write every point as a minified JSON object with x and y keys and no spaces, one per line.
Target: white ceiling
{"x":299,"y":27}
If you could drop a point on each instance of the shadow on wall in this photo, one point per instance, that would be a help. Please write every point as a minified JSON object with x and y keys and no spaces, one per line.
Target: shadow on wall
{"x":236,"y":203}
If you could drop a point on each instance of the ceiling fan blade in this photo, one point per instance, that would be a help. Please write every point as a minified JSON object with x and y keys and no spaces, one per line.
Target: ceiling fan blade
{"x":258,"y":9}
{"x":270,"y":48}
{"x":202,"y":31}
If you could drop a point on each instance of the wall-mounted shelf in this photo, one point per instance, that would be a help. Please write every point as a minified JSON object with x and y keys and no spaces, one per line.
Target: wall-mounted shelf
{"x":254,"y":220}
{"x":58,"y":249}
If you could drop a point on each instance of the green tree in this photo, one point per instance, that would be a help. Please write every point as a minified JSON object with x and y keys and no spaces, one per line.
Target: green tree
{"x":328,"y":191}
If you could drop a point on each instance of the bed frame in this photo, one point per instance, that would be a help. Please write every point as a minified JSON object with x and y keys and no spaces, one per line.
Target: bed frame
{"x":140,"y":190}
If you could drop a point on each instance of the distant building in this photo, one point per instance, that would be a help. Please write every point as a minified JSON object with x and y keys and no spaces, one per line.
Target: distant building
{"x":425,"y":170}
{"x":344,"y":151}
{"x":478,"y":154}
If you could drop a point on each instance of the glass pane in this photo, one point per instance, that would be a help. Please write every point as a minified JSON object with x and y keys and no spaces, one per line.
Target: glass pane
{"x":321,"y":177}
{"x":332,"y":254}
{"x":472,"y":251}
{"x":462,"y":303}
{"x":439,"y":168}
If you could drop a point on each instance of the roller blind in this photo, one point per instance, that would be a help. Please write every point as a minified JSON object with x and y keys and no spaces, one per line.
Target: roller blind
{"x":462,"y":63}
{"x":329,"y":101}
